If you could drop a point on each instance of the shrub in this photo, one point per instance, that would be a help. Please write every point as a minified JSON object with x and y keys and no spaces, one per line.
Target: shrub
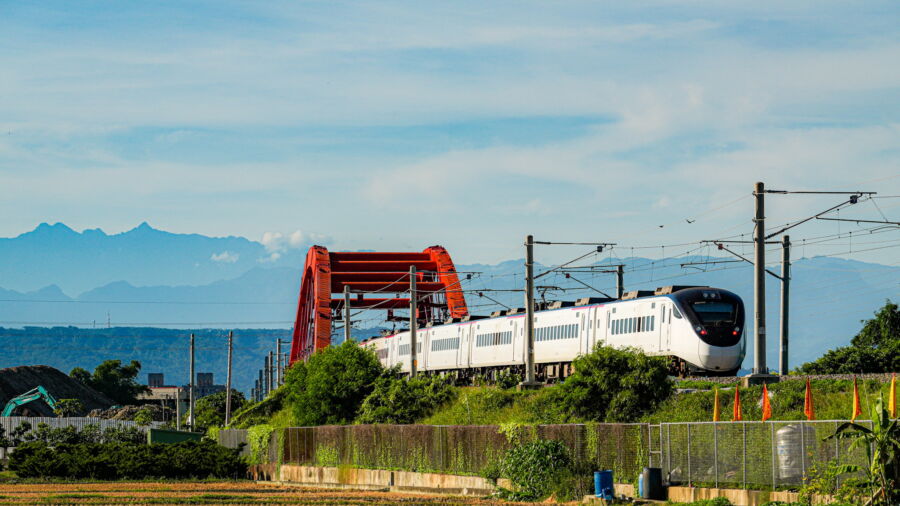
{"x":614,"y":385}
{"x":115,"y":461}
{"x":330,"y":387}
{"x":535,"y":467}
{"x":403,"y":400}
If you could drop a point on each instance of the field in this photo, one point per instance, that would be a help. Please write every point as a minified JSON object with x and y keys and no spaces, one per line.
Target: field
{"x":235,"y":492}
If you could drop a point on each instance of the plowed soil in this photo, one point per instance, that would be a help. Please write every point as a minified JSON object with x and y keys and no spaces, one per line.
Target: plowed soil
{"x":236,"y":492}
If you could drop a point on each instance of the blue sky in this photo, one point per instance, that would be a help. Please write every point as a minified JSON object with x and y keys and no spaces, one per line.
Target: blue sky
{"x":388,"y":125}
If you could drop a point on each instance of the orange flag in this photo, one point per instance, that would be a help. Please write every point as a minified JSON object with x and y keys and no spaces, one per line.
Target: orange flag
{"x":857,"y":410}
{"x":736,"y":414}
{"x":808,"y":408}
{"x":716,"y":406}
{"x":766,"y":407}
{"x":892,"y":402}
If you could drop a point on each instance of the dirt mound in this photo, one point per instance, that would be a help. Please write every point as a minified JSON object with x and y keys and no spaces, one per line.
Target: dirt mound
{"x":15,"y":381}
{"x":157,"y":413}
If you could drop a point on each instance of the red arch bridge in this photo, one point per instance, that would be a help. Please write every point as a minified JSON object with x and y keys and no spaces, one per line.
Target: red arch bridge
{"x":377,"y":281}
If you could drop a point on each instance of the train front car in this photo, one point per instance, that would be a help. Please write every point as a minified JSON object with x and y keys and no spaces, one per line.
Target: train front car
{"x":712,"y":330}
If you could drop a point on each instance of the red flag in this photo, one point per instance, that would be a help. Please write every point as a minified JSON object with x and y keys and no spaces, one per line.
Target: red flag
{"x":857,"y":409}
{"x":766,"y":407}
{"x":737,"y":415}
{"x":808,"y":408}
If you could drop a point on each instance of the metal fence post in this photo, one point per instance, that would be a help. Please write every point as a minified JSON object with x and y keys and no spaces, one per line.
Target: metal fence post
{"x":716,"y":451}
{"x":744,"y":454}
{"x":668,"y":450}
{"x":802,"y":452}
{"x":772,"y":448}
{"x":689,"y":454}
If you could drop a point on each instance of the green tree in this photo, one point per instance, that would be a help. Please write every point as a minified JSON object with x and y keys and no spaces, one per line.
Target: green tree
{"x":211,"y":409}
{"x":114,"y":380}
{"x":613,"y":385}
{"x":69,"y":407}
{"x":876,"y":348}
{"x":882,"y":446}
{"x":330,"y":387}
{"x":402,"y":400}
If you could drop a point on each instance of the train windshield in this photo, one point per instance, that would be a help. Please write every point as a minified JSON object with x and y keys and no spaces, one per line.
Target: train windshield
{"x":713,"y":312}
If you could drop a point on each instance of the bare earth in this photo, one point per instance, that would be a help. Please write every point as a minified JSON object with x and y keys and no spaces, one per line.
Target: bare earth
{"x":235,"y":492}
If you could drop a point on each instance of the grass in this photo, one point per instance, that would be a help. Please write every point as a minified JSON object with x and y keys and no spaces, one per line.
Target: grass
{"x":831,"y":399}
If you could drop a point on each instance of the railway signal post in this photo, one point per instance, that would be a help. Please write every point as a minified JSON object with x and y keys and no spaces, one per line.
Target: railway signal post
{"x":228,"y":381}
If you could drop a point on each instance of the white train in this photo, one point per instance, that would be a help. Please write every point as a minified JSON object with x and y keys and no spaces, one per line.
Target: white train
{"x":700,"y":328}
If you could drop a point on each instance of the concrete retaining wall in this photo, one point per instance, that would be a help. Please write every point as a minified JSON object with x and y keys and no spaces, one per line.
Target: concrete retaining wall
{"x":379,"y":479}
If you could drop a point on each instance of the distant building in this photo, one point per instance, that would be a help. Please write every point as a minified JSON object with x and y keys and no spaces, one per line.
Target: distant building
{"x":155,"y":379}
{"x":204,"y":385}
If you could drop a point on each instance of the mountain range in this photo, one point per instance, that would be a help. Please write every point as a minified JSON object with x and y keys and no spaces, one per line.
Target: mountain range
{"x":138,"y":282}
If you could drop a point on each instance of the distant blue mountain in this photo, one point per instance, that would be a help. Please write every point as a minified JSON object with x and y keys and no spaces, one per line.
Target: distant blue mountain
{"x":146,"y":277}
{"x":142,"y":256}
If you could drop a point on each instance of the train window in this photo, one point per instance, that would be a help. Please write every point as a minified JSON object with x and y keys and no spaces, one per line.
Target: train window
{"x":714,"y":312}
{"x":652,"y":322}
{"x":640,"y":324}
{"x":676,"y":313}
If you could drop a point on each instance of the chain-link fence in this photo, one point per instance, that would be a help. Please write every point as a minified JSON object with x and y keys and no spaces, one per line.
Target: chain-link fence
{"x":748,"y":454}
{"x":724,"y":454}
{"x":459,"y":449}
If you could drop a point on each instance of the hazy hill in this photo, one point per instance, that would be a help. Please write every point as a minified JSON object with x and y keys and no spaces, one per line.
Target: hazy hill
{"x":79,"y":261}
{"x":150,"y":278}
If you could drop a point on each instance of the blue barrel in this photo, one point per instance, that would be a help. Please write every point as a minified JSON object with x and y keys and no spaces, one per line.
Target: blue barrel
{"x":603,"y":484}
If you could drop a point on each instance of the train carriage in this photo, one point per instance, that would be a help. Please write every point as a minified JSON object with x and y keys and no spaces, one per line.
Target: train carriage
{"x":700,"y":328}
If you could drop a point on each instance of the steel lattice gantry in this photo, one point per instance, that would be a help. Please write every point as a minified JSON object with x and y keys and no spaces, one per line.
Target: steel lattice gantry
{"x":375,"y":279}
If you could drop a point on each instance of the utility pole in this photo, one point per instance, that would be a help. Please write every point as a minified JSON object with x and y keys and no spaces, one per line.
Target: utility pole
{"x":759,"y":282}
{"x":620,"y":281}
{"x":346,"y":313}
{"x":261,"y":390}
{"x":191,"y":389}
{"x":278,"y":362}
{"x":177,"y":408}
{"x":228,"y":380}
{"x":785,"y":302}
{"x":529,"y":311}
{"x":413,"y":322}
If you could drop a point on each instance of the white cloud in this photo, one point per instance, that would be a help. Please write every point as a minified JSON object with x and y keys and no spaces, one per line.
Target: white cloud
{"x":228,"y":257}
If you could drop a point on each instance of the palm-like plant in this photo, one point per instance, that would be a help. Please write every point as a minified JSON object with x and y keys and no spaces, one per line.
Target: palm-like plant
{"x":882,"y":445}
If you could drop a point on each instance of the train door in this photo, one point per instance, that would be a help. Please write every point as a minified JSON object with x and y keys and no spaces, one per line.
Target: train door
{"x":585,"y":334}
{"x":422,"y":352}
{"x":665,"y":329}
{"x":462,"y":353}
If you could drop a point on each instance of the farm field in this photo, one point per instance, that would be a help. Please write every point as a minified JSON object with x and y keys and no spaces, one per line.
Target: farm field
{"x":235,"y":492}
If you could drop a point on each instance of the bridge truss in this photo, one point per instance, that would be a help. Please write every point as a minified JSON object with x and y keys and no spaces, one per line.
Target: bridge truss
{"x":377,"y":281}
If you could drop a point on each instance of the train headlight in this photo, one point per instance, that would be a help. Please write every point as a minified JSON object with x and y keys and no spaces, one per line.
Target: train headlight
{"x":698,"y":328}
{"x":737,"y":331}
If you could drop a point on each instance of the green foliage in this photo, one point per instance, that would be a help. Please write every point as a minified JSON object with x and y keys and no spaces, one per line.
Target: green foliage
{"x":508,"y":379}
{"x":143,"y":417}
{"x":882,"y":446}
{"x":875,"y":349}
{"x":69,"y":407}
{"x":614,"y":385}
{"x":481,"y":406}
{"x":115,"y":461}
{"x":211,"y":409}
{"x":402,"y":400}
{"x":71,"y":435}
{"x":255,"y":413}
{"x":114,"y":380}
{"x":718,"y":501}
{"x":259,"y":436}
{"x":535,"y":467}
{"x":823,"y":479}
{"x":330,"y":387}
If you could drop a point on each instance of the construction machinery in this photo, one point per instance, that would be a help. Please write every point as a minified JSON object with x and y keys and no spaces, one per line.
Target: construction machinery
{"x":34,"y":394}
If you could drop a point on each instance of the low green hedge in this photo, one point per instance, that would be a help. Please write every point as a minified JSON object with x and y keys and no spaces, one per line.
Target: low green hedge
{"x":115,"y":461}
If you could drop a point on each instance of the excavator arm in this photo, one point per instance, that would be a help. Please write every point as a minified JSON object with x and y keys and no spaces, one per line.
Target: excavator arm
{"x":34,"y":394}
